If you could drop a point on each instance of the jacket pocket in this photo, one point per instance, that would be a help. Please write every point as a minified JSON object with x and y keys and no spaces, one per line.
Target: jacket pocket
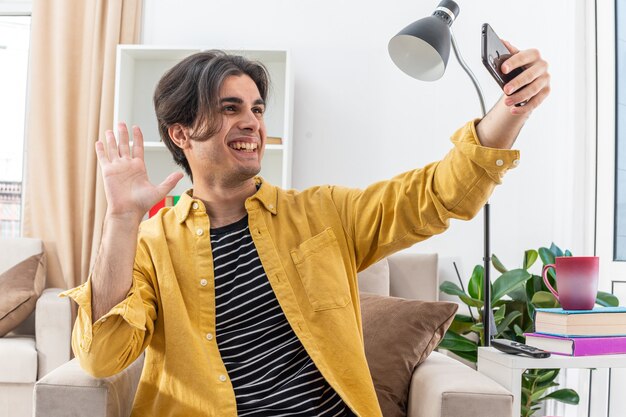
{"x":322,"y":272}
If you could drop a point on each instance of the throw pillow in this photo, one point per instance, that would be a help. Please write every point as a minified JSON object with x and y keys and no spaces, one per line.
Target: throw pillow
{"x":399,"y":334}
{"x":20,"y":287}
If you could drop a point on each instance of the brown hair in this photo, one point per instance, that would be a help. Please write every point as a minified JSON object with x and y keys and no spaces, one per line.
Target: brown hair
{"x":188,"y":94}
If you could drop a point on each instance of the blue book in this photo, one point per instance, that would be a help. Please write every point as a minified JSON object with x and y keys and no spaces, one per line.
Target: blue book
{"x":600,"y":321}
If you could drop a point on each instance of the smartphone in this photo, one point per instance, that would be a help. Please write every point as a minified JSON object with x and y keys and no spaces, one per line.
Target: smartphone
{"x":494,"y":53}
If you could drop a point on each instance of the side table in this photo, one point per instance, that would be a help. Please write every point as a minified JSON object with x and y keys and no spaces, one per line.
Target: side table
{"x":507,"y":369}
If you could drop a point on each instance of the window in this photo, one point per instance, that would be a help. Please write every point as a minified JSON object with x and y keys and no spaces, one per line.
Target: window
{"x":620,"y":128}
{"x":14,"y":43}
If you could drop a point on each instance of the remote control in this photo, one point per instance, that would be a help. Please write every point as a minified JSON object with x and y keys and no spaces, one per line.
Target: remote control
{"x":516,"y":348}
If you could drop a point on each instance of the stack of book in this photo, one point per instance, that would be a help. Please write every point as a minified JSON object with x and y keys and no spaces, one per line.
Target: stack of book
{"x":601,"y":331}
{"x":168,"y":201}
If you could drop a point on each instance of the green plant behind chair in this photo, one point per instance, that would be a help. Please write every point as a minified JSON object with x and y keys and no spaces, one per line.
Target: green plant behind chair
{"x":515,"y":295}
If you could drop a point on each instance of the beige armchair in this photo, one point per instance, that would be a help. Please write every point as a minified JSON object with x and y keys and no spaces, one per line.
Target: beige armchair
{"x":440,"y":387}
{"x":38,"y":345}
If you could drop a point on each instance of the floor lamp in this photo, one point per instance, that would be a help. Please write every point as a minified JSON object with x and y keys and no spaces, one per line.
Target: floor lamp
{"x":421,"y":50}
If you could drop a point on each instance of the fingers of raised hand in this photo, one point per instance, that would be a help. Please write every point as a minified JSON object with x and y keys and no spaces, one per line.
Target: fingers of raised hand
{"x":525,"y":58}
{"x":512,"y":49}
{"x":111,"y":148}
{"x":170,"y":182}
{"x":529,"y":90}
{"x":532,"y":72}
{"x":533,"y":82}
{"x":533,"y":103}
{"x":100,"y":152}
{"x":124,"y":141}
{"x":137,"y":142}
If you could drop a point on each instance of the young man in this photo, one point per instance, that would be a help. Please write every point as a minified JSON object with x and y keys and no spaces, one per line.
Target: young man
{"x":244,"y":296}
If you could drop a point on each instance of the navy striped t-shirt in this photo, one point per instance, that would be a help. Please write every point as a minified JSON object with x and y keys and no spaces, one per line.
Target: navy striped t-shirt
{"x":270,"y":371}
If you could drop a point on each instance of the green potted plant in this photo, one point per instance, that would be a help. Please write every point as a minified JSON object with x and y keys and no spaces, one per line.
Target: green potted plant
{"x":515,"y":295}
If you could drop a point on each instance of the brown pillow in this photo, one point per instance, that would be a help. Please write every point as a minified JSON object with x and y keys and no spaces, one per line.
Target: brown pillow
{"x":20,"y":287}
{"x":399,"y":334}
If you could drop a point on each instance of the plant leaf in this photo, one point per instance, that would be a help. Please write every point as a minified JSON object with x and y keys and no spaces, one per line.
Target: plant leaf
{"x":546,"y":256}
{"x":455,"y":342}
{"x":498,"y":265}
{"x":532,"y":286}
{"x":475,"y":285}
{"x":536,"y":284}
{"x":478,"y":328}
{"x":472,"y":302}
{"x":461,"y":324}
{"x":548,"y":375}
{"x":507,"y":282}
{"x":518,"y":294}
{"x":530,"y":256}
{"x":451,"y":288}
{"x":565,"y":395}
{"x":544,"y":299}
{"x":556,"y":250}
{"x":549,"y":384}
{"x":568,"y":253}
{"x":537,"y":394}
{"x":518,"y":330}
{"x":468,"y":356}
{"x":508,"y":320}
{"x":500,"y":313}
{"x":606,"y":299}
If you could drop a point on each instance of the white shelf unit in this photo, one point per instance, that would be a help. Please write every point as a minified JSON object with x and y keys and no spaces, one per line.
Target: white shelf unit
{"x":139,"y":69}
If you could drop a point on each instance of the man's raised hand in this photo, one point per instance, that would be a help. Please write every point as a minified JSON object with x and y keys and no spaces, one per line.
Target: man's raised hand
{"x":128,"y":190}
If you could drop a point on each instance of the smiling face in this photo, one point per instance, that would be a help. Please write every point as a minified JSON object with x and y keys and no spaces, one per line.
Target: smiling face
{"x":233,"y":155}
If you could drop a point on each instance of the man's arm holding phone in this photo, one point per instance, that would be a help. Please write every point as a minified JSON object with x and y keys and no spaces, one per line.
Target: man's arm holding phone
{"x":500,"y":127}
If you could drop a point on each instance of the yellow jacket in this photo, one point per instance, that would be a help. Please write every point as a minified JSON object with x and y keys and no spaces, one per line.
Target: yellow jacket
{"x":311,"y":245}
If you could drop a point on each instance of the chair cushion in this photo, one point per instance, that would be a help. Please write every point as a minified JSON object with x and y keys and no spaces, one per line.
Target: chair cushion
{"x":20,"y":287}
{"x":399,"y":334}
{"x":375,"y":279}
{"x":18,"y":360}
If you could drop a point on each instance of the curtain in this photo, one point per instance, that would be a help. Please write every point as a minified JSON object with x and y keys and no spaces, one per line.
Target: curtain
{"x":70,"y":104}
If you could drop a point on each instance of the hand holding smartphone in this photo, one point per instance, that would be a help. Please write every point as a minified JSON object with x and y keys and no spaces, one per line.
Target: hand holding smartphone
{"x":494,"y":53}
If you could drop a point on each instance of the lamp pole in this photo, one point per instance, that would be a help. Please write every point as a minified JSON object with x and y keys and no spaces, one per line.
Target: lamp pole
{"x":488,"y":322}
{"x":421,"y":51}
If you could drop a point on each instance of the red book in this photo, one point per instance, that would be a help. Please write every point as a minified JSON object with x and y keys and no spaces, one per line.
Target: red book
{"x":155,"y":209}
{"x":168,"y":201}
{"x":577,"y":346}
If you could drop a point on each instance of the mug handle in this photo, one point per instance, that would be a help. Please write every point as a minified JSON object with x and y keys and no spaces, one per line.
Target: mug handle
{"x":544,"y":273}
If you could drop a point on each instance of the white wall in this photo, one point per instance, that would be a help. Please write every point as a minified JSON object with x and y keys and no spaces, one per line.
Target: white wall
{"x":358,"y":119}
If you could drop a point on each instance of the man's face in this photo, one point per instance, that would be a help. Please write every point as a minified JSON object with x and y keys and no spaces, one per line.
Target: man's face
{"x":233,"y":155}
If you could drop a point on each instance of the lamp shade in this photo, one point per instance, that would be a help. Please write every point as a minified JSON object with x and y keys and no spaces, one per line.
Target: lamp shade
{"x":421,"y":49}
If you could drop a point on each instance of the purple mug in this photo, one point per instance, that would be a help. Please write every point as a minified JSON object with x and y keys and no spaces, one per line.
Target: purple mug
{"x":576,"y":279}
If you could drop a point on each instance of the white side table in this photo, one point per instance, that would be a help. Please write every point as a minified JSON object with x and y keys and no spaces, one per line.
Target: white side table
{"x":507,"y":369}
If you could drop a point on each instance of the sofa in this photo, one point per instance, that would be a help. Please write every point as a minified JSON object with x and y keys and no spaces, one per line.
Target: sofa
{"x":36,"y":346}
{"x":439,"y":387}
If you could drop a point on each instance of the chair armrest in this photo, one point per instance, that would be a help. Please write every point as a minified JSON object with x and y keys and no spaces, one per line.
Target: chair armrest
{"x":70,"y":391}
{"x":444,"y":387}
{"x":53,"y":330}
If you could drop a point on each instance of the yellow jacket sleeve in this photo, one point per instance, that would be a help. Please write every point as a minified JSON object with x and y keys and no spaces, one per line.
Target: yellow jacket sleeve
{"x":116,"y":339}
{"x":391,"y":215}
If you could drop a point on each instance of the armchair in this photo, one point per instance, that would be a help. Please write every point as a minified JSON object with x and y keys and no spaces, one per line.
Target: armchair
{"x":440,"y":386}
{"x":38,"y":345}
